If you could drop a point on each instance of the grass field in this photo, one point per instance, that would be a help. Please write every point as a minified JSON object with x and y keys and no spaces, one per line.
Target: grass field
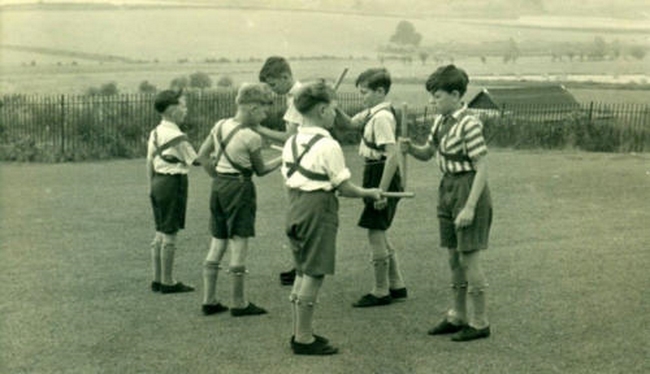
{"x":568,"y":271}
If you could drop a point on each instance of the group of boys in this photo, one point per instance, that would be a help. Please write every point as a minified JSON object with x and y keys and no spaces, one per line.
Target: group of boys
{"x":315,"y":174}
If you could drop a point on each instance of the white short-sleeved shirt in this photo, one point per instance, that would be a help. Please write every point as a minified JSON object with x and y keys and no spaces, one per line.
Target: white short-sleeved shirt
{"x":239,"y":147}
{"x":380,"y":129}
{"x":163,"y":133}
{"x":292,"y":115}
{"x":324,"y":157}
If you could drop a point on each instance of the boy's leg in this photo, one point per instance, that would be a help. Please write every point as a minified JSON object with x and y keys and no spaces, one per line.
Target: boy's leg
{"x":479,"y":326}
{"x":295,"y":290}
{"x":240,"y":304}
{"x":395,"y":279}
{"x":456,"y":318}
{"x":168,"y":284}
{"x":380,"y":294}
{"x":156,"y":265}
{"x":211,"y":268}
{"x":458,"y":314}
{"x":305,"y":341}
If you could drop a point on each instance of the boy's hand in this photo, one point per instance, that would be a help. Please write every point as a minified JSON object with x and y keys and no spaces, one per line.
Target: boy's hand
{"x":375,"y":194}
{"x":381,"y":203}
{"x":404,"y":144}
{"x":464,"y":218}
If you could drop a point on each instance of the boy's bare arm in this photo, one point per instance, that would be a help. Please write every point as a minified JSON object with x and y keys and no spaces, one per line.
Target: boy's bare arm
{"x":466,"y":215}
{"x":421,"y":152}
{"x":345,"y":122}
{"x":260,"y":167}
{"x":278,"y":136}
{"x":204,"y":156}
{"x":390,"y":167}
{"x":349,"y":189}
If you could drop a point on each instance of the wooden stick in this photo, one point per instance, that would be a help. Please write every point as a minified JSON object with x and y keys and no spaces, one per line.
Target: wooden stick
{"x":404,"y":134}
{"x":276,"y":147}
{"x":407,"y":195}
{"x":340,"y":79}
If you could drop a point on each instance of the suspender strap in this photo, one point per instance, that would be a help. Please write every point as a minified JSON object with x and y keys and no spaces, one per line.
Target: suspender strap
{"x":371,"y":143}
{"x":223,"y":143}
{"x":295,"y":165}
{"x":171,"y":143}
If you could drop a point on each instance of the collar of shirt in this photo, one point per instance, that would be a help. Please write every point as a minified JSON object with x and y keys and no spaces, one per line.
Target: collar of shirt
{"x":381,"y":106}
{"x":314,"y":130}
{"x":296,"y":86}
{"x":170,"y":125}
{"x":456,"y":115}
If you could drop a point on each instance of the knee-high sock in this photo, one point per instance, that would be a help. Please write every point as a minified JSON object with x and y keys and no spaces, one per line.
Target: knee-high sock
{"x":293,"y":298}
{"x":479,"y":316}
{"x":458,"y":314}
{"x":381,"y":277}
{"x":168,"y":249}
{"x":305,"y":308}
{"x":238,"y":292}
{"x":395,"y":279}
{"x":210,"y":274}
{"x":156,"y":265}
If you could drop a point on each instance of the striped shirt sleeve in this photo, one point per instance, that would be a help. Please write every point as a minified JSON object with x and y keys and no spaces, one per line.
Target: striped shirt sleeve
{"x":474,"y":140}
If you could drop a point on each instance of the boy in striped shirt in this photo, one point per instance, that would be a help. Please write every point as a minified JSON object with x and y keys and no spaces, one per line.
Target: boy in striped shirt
{"x":464,"y":204}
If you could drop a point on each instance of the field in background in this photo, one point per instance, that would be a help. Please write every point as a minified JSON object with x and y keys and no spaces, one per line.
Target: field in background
{"x":567,"y":269}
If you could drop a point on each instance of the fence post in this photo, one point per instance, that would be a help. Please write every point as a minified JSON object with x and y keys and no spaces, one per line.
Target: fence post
{"x":591,"y":112}
{"x":62,"y":125}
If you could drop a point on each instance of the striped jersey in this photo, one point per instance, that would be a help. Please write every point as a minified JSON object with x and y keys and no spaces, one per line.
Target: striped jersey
{"x":462,"y":143}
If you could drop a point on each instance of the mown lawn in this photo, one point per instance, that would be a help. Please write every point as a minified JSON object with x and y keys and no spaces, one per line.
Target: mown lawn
{"x":568,"y":272}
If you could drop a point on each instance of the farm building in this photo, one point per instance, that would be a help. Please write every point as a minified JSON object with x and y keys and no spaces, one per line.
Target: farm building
{"x":536,"y":102}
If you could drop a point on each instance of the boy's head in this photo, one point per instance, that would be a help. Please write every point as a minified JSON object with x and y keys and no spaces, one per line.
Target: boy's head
{"x":171,"y":105}
{"x":254,"y":99}
{"x":374,"y":85}
{"x":316,"y":102}
{"x":447,"y":85}
{"x":276,"y":72}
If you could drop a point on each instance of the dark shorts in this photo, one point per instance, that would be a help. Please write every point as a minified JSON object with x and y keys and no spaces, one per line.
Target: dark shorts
{"x":312,"y":223}
{"x":452,"y":195}
{"x":372,"y":218}
{"x":169,"y":201}
{"x":233,"y":207}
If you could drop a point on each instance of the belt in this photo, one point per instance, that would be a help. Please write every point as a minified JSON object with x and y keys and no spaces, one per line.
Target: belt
{"x":368,"y":160}
{"x":234,"y":175}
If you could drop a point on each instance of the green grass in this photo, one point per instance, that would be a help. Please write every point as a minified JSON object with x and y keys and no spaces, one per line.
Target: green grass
{"x":567,"y":267}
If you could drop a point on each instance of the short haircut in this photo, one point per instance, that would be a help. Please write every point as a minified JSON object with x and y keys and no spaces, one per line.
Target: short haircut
{"x":254,"y":93}
{"x":313,"y":93}
{"x":165,"y":99}
{"x":448,"y":78}
{"x":274,"y":67}
{"x":375,"y":78}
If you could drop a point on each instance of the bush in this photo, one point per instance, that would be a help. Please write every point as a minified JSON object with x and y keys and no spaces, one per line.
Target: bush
{"x":200,"y":80}
{"x":225,"y":82}
{"x":146,"y":87}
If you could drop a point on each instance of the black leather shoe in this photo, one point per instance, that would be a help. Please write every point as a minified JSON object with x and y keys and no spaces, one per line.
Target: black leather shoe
{"x":210,"y":309}
{"x":179,"y":287}
{"x":372,"y":300}
{"x":317,"y":348}
{"x":445,"y":327}
{"x":155,"y":286}
{"x":321,"y":339}
{"x":287,"y":278}
{"x":250,"y":310}
{"x":471,"y":333}
{"x":398,"y":293}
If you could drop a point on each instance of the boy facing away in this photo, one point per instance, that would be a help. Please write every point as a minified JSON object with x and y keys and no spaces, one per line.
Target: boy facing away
{"x":314,"y":168}
{"x":233,"y":198}
{"x":169,"y":155}
{"x":464,"y":205}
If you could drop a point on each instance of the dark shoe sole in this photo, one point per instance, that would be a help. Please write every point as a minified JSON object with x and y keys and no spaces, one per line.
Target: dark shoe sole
{"x":445,"y":327}
{"x":469,"y":333}
{"x":317,"y":348}
{"x":399,"y":293}
{"x":177,"y":288}
{"x":210,"y":309}
{"x":250,"y":310}
{"x":371,"y":300}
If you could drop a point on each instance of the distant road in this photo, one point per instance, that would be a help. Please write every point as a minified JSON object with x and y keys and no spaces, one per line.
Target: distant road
{"x":67,"y":53}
